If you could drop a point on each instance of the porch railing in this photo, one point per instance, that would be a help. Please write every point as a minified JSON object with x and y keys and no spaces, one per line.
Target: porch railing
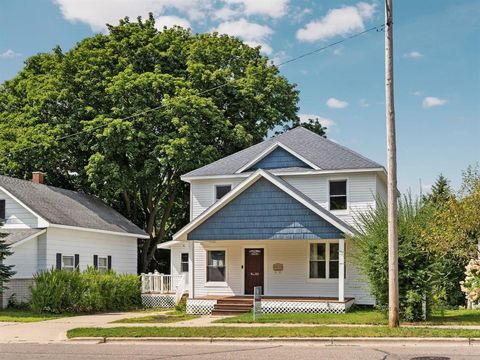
{"x":157,"y":283}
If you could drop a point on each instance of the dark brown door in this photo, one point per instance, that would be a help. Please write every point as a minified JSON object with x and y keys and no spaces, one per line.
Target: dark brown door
{"x":253,"y":269}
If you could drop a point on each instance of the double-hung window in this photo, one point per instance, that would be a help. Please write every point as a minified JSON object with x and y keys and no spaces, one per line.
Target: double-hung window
{"x":184,"y":262}
{"x":338,"y":195}
{"x":102,"y":264}
{"x":68,"y":263}
{"x":324,"y":260}
{"x":216,"y":265}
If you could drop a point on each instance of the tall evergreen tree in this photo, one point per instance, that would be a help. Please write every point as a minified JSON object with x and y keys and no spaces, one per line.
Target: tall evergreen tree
{"x":6,"y":271}
{"x":440,"y":193}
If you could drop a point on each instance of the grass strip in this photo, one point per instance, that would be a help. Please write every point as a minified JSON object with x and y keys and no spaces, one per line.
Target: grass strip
{"x":169,"y":317}
{"x":10,"y":315}
{"x":354,"y":317}
{"x":254,"y":332}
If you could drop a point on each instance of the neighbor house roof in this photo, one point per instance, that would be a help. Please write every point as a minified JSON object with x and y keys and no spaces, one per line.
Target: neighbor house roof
{"x":322,"y":153}
{"x":68,"y":208}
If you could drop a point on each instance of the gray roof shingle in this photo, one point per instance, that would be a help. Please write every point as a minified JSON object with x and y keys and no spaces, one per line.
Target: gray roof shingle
{"x":324,"y":153}
{"x":12,"y":236}
{"x":65,"y":207}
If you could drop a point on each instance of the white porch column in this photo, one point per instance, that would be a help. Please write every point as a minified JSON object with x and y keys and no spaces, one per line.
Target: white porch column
{"x":191,"y":264}
{"x":341,"y":270}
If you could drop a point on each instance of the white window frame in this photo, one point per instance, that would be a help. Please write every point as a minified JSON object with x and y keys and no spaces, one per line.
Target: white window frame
{"x":216,"y":283}
{"x":102,"y":269}
{"x":347,"y":190}
{"x":327,"y":260}
{"x":215,"y":190}
{"x":68,"y":268}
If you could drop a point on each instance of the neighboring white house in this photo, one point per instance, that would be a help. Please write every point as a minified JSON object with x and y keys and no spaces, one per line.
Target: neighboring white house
{"x":281,"y":215}
{"x":49,"y":227}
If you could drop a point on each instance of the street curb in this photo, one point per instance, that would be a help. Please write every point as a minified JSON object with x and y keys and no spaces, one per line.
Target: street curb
{"x":399,"y":341}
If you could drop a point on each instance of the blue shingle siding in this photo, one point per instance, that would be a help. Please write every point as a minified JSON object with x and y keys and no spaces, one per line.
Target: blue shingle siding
{"x":278,"y":158}
{"x":261,"y":212}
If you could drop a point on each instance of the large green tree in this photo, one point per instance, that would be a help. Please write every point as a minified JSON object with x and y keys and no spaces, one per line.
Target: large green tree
{"x":74,"y":115}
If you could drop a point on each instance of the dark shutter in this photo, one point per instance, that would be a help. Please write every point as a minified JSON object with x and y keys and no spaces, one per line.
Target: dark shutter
{"x":109,"y":262}
{"x":77,"y":261}
{"x":59,"y":261}
{"x":2,"y":209}
{"x":95,"y":261}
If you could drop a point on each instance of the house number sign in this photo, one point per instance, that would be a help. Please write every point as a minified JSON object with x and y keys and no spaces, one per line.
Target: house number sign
{"x":277,"y":267}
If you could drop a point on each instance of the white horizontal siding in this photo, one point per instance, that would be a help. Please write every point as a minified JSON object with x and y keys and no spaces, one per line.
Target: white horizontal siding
{"x":17,"y":216}
{"x":203,"y":193}
{"x":381,"y":190}
{"x":176,"y":258}
{"x":292,"y":281}
{"x":24,"y":259}
{"x":85,"y":243}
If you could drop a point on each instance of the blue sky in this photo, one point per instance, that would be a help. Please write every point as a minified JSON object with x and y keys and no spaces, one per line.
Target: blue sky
{"x":437,"y":58}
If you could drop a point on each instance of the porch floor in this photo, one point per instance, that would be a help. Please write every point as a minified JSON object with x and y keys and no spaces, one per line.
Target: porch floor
{"x":277,"y":298}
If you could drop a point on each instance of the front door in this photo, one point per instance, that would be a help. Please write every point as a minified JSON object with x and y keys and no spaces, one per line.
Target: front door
{"x":253,"y":269}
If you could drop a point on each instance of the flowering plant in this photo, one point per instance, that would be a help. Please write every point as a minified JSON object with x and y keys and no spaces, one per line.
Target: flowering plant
{"x":471,"y":285}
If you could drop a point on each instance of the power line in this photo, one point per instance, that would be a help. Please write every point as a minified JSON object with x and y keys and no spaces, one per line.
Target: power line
{"x":144,"y":112}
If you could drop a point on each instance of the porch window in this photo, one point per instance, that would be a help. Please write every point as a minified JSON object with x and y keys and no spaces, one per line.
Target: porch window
{"x":338,"y":195}
{"x":324,"y":260}
{"x":184,"y":262}
{"x":221,"y":191}
{"x":216,"y":265}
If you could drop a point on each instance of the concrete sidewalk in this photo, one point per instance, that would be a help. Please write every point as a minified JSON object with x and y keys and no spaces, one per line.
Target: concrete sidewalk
{"x":56,"y":330}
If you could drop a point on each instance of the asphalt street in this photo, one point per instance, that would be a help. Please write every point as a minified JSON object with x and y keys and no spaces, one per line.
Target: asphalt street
{"x":261,"y":351}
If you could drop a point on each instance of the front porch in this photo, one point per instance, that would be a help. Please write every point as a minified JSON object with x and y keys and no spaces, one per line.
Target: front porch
{"x":207,"y":305}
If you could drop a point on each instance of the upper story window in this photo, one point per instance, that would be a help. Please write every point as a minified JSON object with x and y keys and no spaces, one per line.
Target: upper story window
{"x":221,"y":191}
{"x":2,"y":209}
{"x":338,"y":195}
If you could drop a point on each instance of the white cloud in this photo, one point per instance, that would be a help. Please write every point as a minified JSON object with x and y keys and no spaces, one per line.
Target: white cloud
{"x":96,"y":13}
{"x":431,"y":101}
{"x":252,"y":33}
{"x":413,"y":55}
{"x":417,"y":93}
{"x":9,"y":54}
{"x":338,"y":21}
{"x":271,"y":8}
{"x":364,"y":103}
{"x":336,"y":103}
{"x":328,"y":123}
{"x":170,"y":21}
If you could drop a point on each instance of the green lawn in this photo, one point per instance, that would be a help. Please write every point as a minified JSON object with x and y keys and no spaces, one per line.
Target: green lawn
{"x":357,"y":316}
{"x":11,"y":315}
{"x":168,"y":317}
{"x":263,"y":331}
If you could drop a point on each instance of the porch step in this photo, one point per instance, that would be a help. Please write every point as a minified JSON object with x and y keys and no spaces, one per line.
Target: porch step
{"x":232,"y":306}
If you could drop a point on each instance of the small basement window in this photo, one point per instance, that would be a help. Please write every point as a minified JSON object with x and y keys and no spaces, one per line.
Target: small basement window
{"x":216,"y":266}
{"x":221,"y":191}
{"x":68,"y":263}
{"x":102,"y":264}
{"x":184,"y":262}
{"x":338,"y":195}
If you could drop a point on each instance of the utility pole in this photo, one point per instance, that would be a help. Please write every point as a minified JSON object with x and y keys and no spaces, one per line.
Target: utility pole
{"x":393,"y":301}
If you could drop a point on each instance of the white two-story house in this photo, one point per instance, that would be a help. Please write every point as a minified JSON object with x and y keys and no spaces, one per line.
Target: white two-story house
{"x":48,"y":227}
{"x":280,"y":215}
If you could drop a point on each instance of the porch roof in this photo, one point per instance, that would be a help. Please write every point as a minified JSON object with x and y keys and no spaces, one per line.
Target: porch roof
{"x":268,"y":206}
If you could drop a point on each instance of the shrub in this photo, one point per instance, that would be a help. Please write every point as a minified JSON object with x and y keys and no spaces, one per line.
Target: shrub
{"x":471,"y":285}
{"x":58,"y":291}
{"x":417,"y":272}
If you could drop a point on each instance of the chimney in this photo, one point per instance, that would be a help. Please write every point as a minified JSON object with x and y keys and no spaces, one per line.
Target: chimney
{"x":38,"y":177}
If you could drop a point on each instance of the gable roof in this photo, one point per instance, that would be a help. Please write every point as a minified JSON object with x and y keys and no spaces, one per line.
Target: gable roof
{"x":280,"y":183}
{"x":317,"y":150}
{"x":68,"y":208}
